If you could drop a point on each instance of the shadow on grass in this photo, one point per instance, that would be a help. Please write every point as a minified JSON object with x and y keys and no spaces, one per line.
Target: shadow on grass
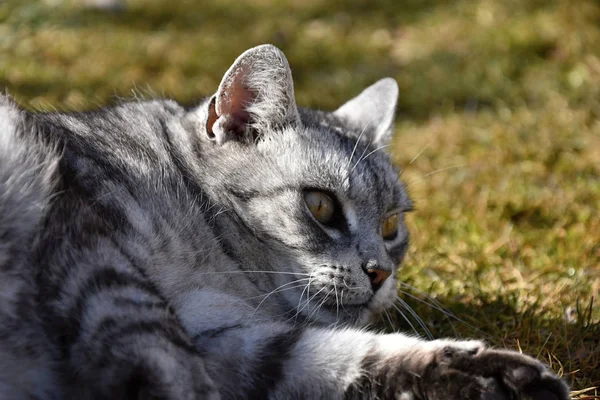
{"x":501,"y":324}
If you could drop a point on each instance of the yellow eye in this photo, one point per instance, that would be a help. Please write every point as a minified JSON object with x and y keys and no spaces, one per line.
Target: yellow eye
{"x":389,"y":229}
{"x":320,"y":205}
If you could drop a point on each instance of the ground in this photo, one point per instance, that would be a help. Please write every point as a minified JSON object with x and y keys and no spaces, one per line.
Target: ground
{"x":498,"y":133}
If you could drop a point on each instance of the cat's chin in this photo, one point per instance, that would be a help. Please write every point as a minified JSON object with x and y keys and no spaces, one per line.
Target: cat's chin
{"x":359,"y":314}
{"x":349,"y":316}
{"x":331,"y":311}
{"x":346,"y":315}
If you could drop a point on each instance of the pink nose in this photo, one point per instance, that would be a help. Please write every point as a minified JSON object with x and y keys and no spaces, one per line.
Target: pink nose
{"x":377,"y":277}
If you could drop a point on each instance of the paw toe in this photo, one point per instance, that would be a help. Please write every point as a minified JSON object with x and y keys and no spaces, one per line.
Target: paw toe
{"x":492,"y":390}
{"x":539,"y":386}
{"x":545,"y":395}
{"x":550,"y":388}
{"x":522,"y":376}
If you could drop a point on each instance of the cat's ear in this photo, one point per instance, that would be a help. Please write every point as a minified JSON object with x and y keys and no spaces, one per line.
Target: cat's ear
{"x":256,"y":95}
{"x":373,"y":111}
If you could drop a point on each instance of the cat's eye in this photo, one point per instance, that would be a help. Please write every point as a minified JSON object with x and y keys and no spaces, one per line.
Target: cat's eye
{"x":321,"y":206}
{"x":389,"y":228}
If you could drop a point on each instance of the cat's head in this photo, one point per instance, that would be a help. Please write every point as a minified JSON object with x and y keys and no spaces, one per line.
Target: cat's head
{"x":316,"y":191}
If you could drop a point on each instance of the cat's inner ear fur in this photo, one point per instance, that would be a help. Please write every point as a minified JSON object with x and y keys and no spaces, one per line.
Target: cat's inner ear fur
{"x":373,"y":111}
{"x":255,"y":96}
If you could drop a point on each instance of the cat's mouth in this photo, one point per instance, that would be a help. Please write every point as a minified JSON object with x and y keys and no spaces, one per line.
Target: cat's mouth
{"x":337,"y":290}
{"x":354,"y":307}
{"x":335,"y":298}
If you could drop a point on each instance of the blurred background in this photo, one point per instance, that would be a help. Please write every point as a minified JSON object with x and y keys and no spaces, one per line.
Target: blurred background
{"x":498,"y":132}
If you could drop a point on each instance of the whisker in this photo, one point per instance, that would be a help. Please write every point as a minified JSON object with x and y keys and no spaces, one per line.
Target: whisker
{"x":320,"y":304}
{"x":337,"y":303}
{"x":357,"y":142}
{"x":253,"y":271}
{"x":421,"y":152}
{"x":436,"y":305}
{"x":407,"y":320}
{"x":387,"y":315}
{"x":221,"y":211}
{"x":354,"y":287}
{"x":444,"y":169}
{"x":279,"y":289}
{"x":415,"y":316}
{"x":302,"y":294}
{"x":275,"y":291}
{"x":342,"y":302}
{"x":359,"y":158}
{"x":433,"y":300}
{"x":307,"y":303}
{"x":307,"y":289}
{"x":365,"y":157}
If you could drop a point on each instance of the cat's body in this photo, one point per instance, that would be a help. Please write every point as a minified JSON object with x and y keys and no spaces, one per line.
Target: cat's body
{"x":151,"y":250}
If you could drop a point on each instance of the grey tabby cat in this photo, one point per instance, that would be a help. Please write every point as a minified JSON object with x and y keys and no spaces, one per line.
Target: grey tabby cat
{"x":232,"y":250}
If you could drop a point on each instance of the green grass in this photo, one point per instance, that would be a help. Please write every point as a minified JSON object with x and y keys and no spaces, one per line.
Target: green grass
{"x":499,"y":132}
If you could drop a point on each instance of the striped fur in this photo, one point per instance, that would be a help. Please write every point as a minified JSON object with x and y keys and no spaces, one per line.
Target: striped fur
{"x":152,"y":251}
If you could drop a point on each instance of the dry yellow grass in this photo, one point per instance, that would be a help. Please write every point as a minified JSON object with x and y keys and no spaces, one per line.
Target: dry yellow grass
{"x":498,"y":134}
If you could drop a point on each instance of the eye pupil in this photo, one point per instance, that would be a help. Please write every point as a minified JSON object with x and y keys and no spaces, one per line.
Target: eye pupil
{"x":389,"y":228}
{"x":320,"y":205}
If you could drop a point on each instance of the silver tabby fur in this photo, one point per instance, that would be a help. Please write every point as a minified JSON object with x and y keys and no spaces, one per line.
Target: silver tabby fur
{"x":153,"y":251}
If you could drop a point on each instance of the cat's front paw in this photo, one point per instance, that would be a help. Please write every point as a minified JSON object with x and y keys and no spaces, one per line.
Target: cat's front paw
{"x":475,"y":372}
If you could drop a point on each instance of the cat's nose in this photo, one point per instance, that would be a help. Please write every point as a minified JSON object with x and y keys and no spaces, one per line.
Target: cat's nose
{"x":376,"y":275}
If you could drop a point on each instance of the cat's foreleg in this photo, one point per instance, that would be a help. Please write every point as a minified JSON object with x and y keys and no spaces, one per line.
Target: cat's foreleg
{"x":253,"y":358}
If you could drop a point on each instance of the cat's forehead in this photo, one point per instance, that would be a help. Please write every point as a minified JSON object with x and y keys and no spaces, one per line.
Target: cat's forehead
{"x":332,"y":158}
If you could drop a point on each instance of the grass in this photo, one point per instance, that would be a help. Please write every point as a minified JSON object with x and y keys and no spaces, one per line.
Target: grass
{"x":498,"y":132}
